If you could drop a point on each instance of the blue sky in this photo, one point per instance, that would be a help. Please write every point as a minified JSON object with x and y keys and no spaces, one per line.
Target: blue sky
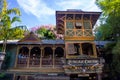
{"x":42,"y":12}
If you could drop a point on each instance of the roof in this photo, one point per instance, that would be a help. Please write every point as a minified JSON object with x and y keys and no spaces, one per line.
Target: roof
{"x":74,"y":14}
{"x":48,"y":41}
{"x":31,"y":37}
{"x":10,"y":41}
{"x":59,"y":41}
{"x":77,"y":12}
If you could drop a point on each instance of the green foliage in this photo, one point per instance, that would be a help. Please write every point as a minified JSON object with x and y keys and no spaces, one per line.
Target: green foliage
{"x":45,"y":33}
{"x":41,"y":31}
{"x":6,"y":30}
{"x":2,"y":75}
{"x":109,"y":6}
{"x":104,"y":32}
{"x":110,"y":30}
{"x":110,"y":26}
{"x":116,"y":49}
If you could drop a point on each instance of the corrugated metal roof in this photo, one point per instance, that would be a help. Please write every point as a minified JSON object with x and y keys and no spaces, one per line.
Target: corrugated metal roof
{"x":46,"y":41}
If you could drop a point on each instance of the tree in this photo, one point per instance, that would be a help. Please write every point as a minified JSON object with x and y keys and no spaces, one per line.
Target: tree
{"x":111,"y":15}
{"x":109,"y":29}
{"x":6,"y":30}
{"x":104,"y":32}
{"x":45,"y":32}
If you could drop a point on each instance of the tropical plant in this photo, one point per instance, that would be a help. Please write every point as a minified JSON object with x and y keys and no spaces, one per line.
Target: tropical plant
{"x":47,"y":32}
{"x":109,"y":29}
{"x":111,"y":14}
{"x":6,"y":29}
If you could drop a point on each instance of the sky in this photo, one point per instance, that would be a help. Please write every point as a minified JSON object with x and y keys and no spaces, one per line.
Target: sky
{"x":42,"y":12}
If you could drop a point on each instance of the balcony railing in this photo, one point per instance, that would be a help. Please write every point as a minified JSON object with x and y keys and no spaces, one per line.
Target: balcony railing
{"x":79,"y":32}
{"x":34,"y":62}
{"x":46,"y":62}
{"x":22,"y":62}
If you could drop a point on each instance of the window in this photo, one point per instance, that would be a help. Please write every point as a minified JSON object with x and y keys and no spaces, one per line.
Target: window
{"x":78,"y":25}
{"x":69,"y":25}
{"x":87,"y":25}
{"x":87,"y":48}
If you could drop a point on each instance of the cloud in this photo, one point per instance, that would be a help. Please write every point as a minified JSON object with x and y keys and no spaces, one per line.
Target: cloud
{"x":44,"y":10}
{"x":92,"y":6}
{"x":36,"y":7}
{"x":85,"y":5}
{"x":69,"y":4}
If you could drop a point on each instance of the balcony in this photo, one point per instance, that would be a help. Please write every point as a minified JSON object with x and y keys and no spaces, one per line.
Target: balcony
{"x":44,"y":62}
{"x":79,"y":34}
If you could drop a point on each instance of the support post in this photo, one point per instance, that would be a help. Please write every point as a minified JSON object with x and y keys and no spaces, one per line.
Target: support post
{"x":99,"y":76}
{"x":16,"y":61}
{"x":94,"y":50}
{"x":80,"y":50}
{"x":53,"y":57}
{"x":28,"y":60}
{"x":41,"y":57}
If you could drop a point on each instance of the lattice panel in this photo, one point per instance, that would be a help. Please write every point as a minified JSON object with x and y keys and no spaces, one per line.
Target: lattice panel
{"x":88,"y":33}
{"x":69,"y":25}
{"x":79,"y":33}
{"x":87,"y":25}
{"x":70,"y":33}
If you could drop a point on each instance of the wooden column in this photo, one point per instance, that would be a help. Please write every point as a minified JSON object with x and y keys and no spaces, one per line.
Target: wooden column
{"x":28,"y":60}
{"x":16,"y":57}
{"x":26,"y":78}
{"x":80,"y":50}
{"x":82,"y":24}
{"x":41,"y":57}
{"x":14,"y":76}
{"x":65,"y":25}
{"x":53,"y":56}
{"x":94,"y":50}
{"x":91,"y":22}
{"x":99,"y":76}
{"x":64,"y":52}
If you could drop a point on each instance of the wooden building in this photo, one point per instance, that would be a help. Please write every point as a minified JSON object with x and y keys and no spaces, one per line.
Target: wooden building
{"x":74,"y":58}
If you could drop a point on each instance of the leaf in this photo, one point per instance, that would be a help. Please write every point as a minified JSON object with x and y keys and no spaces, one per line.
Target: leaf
{"x":14,"y":19}
{"x":15,"y":11}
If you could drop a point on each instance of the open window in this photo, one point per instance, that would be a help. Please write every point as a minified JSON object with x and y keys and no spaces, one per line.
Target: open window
{"x":73,"y":48}
{"x":87,"y":48}
{"x":78,"y":25}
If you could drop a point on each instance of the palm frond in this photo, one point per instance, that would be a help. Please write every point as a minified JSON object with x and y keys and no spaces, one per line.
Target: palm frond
{"x":14,"y":11}
{"x":14,"y":19}
{"x":4,"y":5}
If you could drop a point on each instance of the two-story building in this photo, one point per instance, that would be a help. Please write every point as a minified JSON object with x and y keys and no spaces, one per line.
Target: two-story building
{"x":74,"y":58}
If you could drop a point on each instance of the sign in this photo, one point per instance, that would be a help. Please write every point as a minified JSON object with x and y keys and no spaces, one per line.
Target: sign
{"x":79,"y":75}
{"x":83,"y":61}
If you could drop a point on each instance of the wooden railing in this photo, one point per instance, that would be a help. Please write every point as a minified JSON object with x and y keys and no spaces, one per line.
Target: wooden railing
{"x":22,"y":62}
{"x":46,"y":62}
{"x":34,"y":63}
{"x":79,"y":32}
{"x":59,"y":62}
